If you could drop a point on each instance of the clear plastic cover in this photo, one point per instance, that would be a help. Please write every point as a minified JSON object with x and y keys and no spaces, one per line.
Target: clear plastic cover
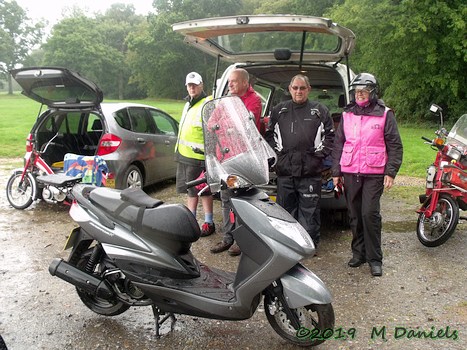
{"x":233,"y":144}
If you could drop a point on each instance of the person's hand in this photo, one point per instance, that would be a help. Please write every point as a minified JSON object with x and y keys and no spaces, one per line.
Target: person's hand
{"x":388,"y":182}
{"x":337,"y":179}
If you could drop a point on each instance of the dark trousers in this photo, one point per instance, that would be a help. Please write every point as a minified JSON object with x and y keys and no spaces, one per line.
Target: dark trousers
{"x":300,"y":196}
{"x":363,"y":194}
{"x":227,"y":225}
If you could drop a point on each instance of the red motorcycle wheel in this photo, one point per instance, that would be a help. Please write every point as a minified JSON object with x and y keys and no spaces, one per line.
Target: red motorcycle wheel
{"x":437,"y":229}
{"x":21,"y":194}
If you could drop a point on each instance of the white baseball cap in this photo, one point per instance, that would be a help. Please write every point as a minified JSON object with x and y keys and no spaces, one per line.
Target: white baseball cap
{"x":193,"y":78}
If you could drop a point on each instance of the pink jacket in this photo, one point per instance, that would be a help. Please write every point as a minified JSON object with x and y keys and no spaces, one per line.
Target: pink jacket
{"x":364,"y":150}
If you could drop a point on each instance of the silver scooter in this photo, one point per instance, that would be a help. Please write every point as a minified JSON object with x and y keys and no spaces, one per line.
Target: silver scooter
{"x":133,"y":250}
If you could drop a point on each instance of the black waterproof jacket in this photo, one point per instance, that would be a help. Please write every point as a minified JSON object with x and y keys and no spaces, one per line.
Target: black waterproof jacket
{"x":302,"y":136}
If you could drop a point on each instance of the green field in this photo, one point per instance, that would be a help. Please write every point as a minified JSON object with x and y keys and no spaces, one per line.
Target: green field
{"x":18,"y":113}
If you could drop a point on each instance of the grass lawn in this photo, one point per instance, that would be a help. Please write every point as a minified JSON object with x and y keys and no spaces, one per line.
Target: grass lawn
{"x":18,"y":113}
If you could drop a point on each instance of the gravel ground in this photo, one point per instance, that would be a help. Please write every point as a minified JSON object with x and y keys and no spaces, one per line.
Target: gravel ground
{"x":422,"y":289}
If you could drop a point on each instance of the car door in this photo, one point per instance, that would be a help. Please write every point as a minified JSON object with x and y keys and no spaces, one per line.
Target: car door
{"x":165,"y":137}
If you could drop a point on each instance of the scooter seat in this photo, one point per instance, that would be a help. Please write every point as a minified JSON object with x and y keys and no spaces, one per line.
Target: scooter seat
{"x":172,"y":225}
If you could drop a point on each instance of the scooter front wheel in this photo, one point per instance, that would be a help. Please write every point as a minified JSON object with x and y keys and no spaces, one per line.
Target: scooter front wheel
{"x":19,"y":193}
{"x":437,"y":229}
{"x":315,"y":320}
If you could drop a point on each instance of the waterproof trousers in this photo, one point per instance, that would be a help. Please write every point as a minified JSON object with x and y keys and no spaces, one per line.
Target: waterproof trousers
{"x":363,"y":194}
{"x":300,"y":196}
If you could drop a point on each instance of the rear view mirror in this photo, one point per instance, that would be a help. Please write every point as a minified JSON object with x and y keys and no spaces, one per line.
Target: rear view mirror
{"x":435,"y":108}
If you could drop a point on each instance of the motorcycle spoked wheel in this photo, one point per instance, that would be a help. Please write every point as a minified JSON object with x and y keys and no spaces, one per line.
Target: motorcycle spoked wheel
{"x":106,"y":307}
{"x":21,"y":195}
{"x":437,"y":229}
{"x":310,"y":317}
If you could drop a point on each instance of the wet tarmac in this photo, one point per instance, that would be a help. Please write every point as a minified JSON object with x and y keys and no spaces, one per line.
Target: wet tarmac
{"x":422,"y":289}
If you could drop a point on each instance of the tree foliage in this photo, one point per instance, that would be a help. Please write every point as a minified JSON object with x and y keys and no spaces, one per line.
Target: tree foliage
{"x":416,"y":48}
{"x":97,"y":48}
{"x":160,"y":57}
{"x":17,"y":37}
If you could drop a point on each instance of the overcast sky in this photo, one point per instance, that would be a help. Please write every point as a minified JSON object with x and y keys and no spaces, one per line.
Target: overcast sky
{"x":52,"y":10}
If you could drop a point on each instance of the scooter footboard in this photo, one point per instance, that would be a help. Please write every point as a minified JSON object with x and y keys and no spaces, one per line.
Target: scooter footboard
{"x":302,"y":287}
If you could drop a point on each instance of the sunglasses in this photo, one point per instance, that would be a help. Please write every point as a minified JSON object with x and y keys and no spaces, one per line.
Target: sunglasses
{"x":301,"y":88}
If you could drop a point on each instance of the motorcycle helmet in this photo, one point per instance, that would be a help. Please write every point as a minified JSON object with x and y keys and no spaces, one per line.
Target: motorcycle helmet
{"x":361,"y":81}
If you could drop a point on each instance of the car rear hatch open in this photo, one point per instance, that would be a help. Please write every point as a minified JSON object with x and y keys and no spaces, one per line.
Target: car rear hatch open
{"x":57,"y":87}
{"x":269,"y":38}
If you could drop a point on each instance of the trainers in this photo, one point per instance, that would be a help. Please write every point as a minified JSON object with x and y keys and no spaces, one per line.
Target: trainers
{"x":207,"y":229}
{"x":234,"y":250}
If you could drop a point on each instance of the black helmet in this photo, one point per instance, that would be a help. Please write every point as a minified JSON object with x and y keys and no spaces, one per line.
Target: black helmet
{"x":364,"y":80}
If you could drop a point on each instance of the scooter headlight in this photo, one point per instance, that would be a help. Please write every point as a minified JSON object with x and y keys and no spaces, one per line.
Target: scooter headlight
{"x":454,"y":153}
{"x":294,"y":231}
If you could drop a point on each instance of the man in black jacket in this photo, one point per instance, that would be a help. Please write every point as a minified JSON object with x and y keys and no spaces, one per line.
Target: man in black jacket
{"x":301,"y":132}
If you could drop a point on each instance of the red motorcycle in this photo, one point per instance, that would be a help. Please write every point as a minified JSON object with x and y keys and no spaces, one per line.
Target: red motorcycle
{"x":446,"y":184}
{"x":25,"y":186}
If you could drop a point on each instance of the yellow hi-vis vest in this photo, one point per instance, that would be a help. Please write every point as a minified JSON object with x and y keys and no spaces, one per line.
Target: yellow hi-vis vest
{"x":190,"y":134}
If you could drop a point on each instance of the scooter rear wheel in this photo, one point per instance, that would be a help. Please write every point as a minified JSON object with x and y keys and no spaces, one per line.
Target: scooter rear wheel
{"x":315,"y":320}
{"x":106,"y":307}
{"x":21,"y":194}
{"x":437,"y":229}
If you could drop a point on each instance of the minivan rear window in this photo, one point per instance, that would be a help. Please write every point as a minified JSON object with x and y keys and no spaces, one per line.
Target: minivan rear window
{"x":270,"y":41}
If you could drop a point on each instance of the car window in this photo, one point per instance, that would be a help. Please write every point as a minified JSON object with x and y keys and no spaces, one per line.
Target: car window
{"x":68,"y":123}
{"x":94,"y":124}
{"x":329,"y":96}
{"x":123,"y":119}
{"x":264,"y":93}
{"x":164,"y":123}
{"x":140,"y":121}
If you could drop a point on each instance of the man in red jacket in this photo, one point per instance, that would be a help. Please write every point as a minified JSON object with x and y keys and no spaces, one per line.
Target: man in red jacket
{"x":239,"y":85}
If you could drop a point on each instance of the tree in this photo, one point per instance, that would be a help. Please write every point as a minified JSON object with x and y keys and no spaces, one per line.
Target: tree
{"x":96,"y":47}
{"x":160,"y":57}
{"x":416,"y":48}
{"x":17,"y":37}
{"x":297,"y":7}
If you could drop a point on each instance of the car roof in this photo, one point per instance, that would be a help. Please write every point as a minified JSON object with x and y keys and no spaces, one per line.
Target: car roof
{"x":269,"y":38}
{"x":111,"y":107}
{"x":57,"y":87}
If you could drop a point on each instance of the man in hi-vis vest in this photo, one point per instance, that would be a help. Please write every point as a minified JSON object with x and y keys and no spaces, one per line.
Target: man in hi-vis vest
{"x":189,"y":151}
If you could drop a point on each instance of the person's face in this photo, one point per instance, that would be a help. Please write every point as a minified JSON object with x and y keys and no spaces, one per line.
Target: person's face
{"x":237,"y":86}
{"x":299,"y":90}
{"x":194,"y":90}
{"x":362,"y":95}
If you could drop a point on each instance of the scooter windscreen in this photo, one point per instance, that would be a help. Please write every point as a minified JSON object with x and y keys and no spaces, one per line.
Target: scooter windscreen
{"x":233,"y":144}
{"x":458,"y":134}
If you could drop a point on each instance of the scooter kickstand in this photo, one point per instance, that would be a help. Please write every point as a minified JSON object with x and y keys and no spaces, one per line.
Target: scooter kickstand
{"x":157,"y":315}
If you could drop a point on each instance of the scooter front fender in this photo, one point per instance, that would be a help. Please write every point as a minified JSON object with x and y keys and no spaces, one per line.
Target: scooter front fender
{"x":302,"y":287}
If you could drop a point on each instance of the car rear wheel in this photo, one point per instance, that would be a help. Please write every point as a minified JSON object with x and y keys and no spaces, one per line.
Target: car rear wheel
{"x":133,"y":177}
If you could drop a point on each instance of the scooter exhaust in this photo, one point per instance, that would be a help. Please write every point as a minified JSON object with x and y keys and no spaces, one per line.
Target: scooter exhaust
{"x":80,"y":279}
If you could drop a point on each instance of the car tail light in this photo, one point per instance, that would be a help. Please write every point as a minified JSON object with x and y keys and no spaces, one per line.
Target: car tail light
{"x":29,"y":143}
{"x":108,"y":144}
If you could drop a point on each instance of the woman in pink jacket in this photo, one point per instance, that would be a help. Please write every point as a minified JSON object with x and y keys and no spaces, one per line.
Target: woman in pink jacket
{"x":367,"y":155}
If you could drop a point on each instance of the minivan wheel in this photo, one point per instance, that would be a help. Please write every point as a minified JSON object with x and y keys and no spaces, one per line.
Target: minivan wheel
{"x":133,"y":177}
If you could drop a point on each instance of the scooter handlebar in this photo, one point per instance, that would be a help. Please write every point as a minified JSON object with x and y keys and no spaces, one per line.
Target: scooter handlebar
{"x":196,"y":182}
{"x":427,"y":139}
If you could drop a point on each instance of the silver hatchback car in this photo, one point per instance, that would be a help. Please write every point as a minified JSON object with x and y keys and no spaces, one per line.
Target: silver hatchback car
{"x":136,"y":141}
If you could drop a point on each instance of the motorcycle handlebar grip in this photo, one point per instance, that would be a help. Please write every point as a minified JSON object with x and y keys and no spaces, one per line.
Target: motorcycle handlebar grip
{"x":196,"y":182}
{"x":426,"y":139}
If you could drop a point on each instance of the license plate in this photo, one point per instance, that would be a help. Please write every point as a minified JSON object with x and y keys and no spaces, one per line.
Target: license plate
{"x":70,"y":242}
{"x":110,"y":183}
